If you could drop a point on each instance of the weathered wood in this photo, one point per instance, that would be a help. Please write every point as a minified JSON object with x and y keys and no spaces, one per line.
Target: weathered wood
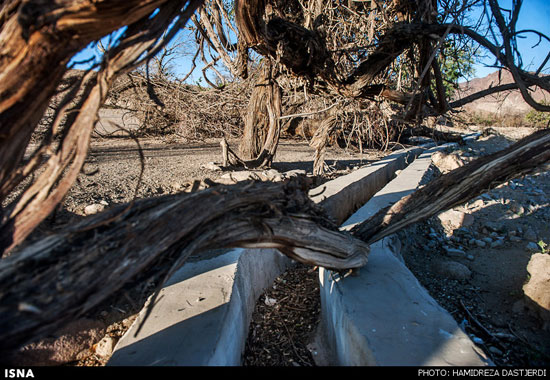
{"x":320,"y":141}
{"x":64,"y":275}
{"x":262,"y":126}
{"x":37,"y":40}
{"x":458,"y":186}
{"x":65,"y":160}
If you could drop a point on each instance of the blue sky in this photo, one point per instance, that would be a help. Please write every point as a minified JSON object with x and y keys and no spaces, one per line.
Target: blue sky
{"x":534,"y":14}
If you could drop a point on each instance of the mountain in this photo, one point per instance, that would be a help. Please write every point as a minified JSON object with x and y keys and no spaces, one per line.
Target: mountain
{"x":502,"y":103}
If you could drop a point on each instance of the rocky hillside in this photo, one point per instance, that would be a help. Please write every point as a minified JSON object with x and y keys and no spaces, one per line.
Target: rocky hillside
{"x":500,"y":104}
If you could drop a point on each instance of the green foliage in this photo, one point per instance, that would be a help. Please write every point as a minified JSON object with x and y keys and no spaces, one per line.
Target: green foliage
{"x":543,"y":247}
{"x":457,"y":61}
{"x":538,"y":118}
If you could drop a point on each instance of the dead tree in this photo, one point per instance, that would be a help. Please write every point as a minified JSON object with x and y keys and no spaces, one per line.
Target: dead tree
{"x":64,"y":275}
{"x":32,"y":63}
{"x":357,"y":50}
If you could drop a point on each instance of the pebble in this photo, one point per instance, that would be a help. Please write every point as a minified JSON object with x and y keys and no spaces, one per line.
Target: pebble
{"x":454,"y":252}
{"x":93,"y":209}
{"x":495,"y":350}
{"x":497,"y":243}
{"x":480,"y":243}
{"x":477,"y":340}
{"x":532,"y":247}
{"x":515,"y":239}
{"x":530,"y":235}
{"x":105,"y":346}
{"x":211,"y":166}
{"x":454,"y":270}
{"x":296,"y":172}
{"x":270,"y":301}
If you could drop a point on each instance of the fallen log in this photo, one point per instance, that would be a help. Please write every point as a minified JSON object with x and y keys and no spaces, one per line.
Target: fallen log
{"x":61,"y":277}
{"x":458,"y":186}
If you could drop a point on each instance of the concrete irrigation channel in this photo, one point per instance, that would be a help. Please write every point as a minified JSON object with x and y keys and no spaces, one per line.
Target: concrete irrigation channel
{"x":382,"y":316}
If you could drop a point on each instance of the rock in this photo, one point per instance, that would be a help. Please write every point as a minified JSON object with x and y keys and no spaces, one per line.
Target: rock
{"x":516,"y":208}
{"x":211,"y":166}
{"x":242,"y":175}
{"x":455,"y":219}
{"x":294,"y":173}
{"x":454,"y":270}
{"x":532,"y":247}
{"x":497,"y":243}
{"x":454,"y":252}
{"x":486,"y":196}
{"x":105,"y":347}
{"x":93,"y":209}
{"x":530,"y":235}
{"x":537,"y":289}
{"x":446,"y":162}
{"x":71,"y":343}
{"x":273,"y":175}
{"x":495,"y":227}
{"x":477,"y":204}
{"x":495,"y":350}
{"x":515,"y":239}
{"x":270,"y":301}
{"x":176,"y":186}
{"x":480,"y":243}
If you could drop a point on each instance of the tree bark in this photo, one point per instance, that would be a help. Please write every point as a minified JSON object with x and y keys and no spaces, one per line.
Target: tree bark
{"x":37,"y":42}
{"x":65,"y":161}
{"x":262,"y":127}
{"x":64,"y":275}
{"x":320,"y":141}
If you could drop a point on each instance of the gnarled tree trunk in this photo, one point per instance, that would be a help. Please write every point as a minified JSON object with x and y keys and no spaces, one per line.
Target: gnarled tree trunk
{"x":64,"y":275}
{"x":262,"y":126}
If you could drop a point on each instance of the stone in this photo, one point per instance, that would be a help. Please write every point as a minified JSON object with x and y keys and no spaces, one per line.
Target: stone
{"x":477,"y":204}
{"x":294,"y":173}
{"x":480,"y":243}
{"x":93,"y":209}
{"x":446,"y":162}
{"x":71,"y":343}
{"x":242,"y":175}
{"x":211,"y":166}
{"x":494,"y":226}
{"x":537,"y":289}
{"x":104,"y":348}
{"x":176,"y":186}
{"x":497,"y":243}
{"x":517,"y":208}
{"x":453,"y":270}
{"x":515,"y":239}
{"x":273,"y":175}
{"x":454,"y":252}
{"x":453,"y":219}
{"x":530,"y":235}
{"x":532,"y":247}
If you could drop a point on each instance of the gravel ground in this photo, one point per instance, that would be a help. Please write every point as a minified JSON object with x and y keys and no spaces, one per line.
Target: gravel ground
{"x":287,"y":314}
{"x":485,"y":294}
